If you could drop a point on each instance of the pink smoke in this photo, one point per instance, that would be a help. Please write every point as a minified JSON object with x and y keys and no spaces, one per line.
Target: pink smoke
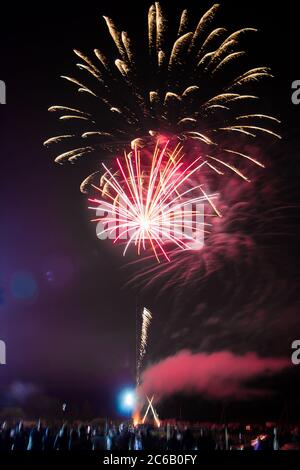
{"x":218,"y":375}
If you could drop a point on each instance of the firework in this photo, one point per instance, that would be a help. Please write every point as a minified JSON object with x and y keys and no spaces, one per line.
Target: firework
{"x":193,"y":90}
{"x":151,"y":407}
{"x":153,"y":203}
{"x":146,"y":321}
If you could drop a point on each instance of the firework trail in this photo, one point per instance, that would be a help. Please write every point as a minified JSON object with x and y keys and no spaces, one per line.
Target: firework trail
{"x":146,"y":322}
{"x":153,"y":203}
{"x":188,"y":91}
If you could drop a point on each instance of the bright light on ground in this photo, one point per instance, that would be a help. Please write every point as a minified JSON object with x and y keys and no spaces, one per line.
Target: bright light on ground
{"x":127,"y":400}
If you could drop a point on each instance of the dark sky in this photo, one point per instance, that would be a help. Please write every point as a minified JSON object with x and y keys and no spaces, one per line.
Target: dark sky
{"x":74,"y":336}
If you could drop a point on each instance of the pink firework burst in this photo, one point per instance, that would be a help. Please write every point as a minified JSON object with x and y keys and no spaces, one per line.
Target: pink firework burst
{"x":153,"y":202}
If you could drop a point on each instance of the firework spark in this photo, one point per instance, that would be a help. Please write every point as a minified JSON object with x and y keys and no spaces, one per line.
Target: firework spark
{"x":153,"y":204}
{"x":133,"y":99}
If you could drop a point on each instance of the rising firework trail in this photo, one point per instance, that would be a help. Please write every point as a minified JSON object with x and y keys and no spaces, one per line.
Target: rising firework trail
{"x":193,"y":90}
{"x":153,"y":203}
{"x":146,"y":322}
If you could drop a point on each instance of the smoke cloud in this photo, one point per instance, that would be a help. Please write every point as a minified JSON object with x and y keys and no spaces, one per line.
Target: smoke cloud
{"x":216,"y":375}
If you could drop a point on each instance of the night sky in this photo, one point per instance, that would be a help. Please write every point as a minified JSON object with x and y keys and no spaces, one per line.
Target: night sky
{"x":66,"y":313}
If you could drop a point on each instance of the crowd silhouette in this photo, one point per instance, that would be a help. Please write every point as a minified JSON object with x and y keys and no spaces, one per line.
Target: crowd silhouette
{"x":123,"y":437}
